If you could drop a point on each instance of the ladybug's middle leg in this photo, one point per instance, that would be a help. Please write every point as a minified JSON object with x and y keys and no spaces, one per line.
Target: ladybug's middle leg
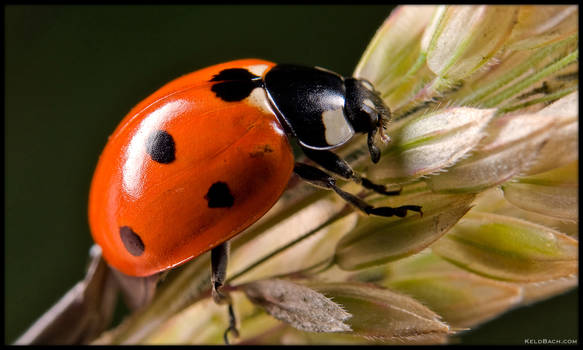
{"x":332,"y":162}
{"x":219,"y":260}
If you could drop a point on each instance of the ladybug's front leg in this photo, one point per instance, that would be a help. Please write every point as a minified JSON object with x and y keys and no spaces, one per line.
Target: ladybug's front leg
{"x":333,"y":163}
{"x":319,"y":178}
{"x":219,"y":261}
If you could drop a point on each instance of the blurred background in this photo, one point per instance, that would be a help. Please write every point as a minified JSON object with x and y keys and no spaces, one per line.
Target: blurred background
{"x":72,"y":73}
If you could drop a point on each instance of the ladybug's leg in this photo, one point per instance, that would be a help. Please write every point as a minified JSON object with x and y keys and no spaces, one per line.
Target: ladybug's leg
{"x":331,"y":162}
{"x":219,"y":260}
{"x":319,"y":178}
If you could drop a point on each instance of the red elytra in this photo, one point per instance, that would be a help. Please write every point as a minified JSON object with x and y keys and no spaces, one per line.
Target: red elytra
{"x":186,"y":171}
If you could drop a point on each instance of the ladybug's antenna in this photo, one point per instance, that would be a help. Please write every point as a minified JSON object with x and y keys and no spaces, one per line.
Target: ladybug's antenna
{"x":384,"y":119}
{"x":378,"y":135}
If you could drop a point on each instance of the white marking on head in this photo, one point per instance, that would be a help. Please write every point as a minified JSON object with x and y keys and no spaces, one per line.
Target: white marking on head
{"x":338,"y":130}
{"x":258,"y":98}
{"x":257,"y":69}
{"x":369,"y":103}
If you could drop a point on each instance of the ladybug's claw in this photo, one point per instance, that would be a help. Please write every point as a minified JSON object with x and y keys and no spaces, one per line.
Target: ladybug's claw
{"x":232,"y":326}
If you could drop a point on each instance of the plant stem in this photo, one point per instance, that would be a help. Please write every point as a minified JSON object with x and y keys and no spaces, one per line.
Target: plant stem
{"x":345,"y":211}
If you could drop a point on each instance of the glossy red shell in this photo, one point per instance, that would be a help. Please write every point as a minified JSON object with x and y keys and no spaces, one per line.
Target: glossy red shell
{"x":236,"y":143}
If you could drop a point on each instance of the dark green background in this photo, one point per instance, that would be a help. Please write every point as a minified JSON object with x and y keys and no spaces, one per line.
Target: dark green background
{"x":72,"y":73}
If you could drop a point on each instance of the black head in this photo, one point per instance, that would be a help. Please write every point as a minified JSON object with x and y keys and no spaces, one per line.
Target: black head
{"x":323,"y":110}
{"x":367,"y":113}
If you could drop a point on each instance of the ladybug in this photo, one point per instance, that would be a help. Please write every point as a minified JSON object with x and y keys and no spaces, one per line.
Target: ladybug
{"x":209,"y":153}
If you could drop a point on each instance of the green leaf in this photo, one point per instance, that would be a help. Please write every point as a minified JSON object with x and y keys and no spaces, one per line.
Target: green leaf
{"x":540,"y":25}
{"x":504,"y":81}
{"x":205,"y":322}
{"x":463,"y":299}
{"x":202,"y":323}
{"x":318,"y":217}
{"x":466,"y":37}
{"x":393,"y":61}
{"x":562,"y":148}
{"x":377,"y":240}
{"x":431,"y":142}
{"x":384,"y":314}
{"x":513,"y":143}
{"x":554,"y":193}
{"x":493,"y":201}
{"x":392,"y":43}
{"x":510,"y":249}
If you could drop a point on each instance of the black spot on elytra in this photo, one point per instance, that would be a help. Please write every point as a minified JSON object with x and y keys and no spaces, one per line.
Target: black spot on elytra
{"x":234,"y":84}
{"x":160,"y":146}
{"x":219,"y":196}
{"x":131,"y":241}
